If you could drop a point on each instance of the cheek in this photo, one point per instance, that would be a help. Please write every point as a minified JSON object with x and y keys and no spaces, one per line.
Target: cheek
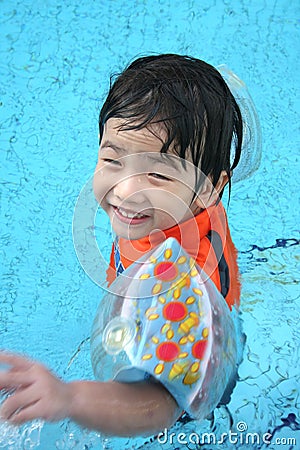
{"x":174,"y":205}
{"x":101,"y":184}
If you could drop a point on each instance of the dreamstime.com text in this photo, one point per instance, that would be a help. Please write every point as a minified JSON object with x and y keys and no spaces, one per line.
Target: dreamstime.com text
{"x":240,"y":436}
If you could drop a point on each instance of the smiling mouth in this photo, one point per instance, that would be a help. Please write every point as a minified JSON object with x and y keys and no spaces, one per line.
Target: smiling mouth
{"x":127,"y":216}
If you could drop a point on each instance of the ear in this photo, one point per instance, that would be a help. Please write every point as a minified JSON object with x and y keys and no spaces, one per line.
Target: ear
{"x":209,"y":195}
{"x":223,"y":180}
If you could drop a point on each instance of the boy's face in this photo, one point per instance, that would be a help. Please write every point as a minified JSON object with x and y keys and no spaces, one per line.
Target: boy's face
{"x":142,"y":190}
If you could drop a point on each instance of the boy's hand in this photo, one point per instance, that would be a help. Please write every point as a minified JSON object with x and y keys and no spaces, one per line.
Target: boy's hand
{"x":36,"y":392}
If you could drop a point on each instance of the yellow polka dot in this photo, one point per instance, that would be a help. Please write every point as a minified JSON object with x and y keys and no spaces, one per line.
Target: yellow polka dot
{"x":159,"y":369}
{"x":198,"y":291}
{"x":153,"y":316}
{"x":194,"y":272}
{"x":170,"y":334}
{"x":191,"y":338}
{"x":205,"y":332}
{"x":144,"y":276}
{"x":150,"y":311}
{"x":156,"y":288}
{"x":183,"y":355}
{"x":165,"y":327}
{"x":190,"y":300}
{"x":153,"y":260}
{"x":195,"y":367}
{"x":183,"y":340}
{"x":176,"y":293}
{"x":155,"y":340}
{"x":191,"y":263}
{"x":161,"y":299}
{"x":147,"y":357}
{"x":181,"y":260}
{"x":168,"y":253}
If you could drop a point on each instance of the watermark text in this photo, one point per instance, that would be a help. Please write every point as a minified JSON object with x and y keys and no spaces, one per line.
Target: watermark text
{"x":240,"y":436}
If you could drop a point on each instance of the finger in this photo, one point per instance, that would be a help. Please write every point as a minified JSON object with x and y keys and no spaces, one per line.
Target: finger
{"x":12,"y":379}
{"x":14,"y":360}
{"x":22,"y":415}
{"x":21,"y":399}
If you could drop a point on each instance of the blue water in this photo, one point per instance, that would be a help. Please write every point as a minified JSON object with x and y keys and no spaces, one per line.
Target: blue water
{"x":55,"y":66}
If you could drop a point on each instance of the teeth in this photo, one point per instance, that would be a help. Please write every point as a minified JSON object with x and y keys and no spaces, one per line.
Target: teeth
{"x":130,"y":215}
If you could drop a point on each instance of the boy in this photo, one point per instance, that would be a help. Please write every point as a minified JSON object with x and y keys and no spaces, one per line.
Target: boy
{"x":167,"y":132}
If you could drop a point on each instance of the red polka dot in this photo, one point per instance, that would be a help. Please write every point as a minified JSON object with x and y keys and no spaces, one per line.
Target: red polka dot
{"x":166,"y":271}
{"x":167,"y":351}
{"x":199,"y":348}
{"x":175,"y":311}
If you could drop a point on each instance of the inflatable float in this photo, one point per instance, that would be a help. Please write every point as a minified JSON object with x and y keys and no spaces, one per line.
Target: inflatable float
{"x":164,"y":321}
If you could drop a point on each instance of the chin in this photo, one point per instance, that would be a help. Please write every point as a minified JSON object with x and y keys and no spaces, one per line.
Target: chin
{"x":127,"y":234}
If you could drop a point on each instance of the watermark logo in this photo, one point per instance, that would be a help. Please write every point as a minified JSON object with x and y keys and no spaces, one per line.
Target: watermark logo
{"x":240,"y":436}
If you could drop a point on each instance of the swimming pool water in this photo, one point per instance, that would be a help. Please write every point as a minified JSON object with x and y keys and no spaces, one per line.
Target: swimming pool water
{"x":55,"y":64}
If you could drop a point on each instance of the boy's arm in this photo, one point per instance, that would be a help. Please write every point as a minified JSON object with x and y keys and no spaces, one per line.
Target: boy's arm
{"x":123,"y":409}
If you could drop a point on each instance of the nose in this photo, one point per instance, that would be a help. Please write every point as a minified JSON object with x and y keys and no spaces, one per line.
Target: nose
{"x":130,"y":189}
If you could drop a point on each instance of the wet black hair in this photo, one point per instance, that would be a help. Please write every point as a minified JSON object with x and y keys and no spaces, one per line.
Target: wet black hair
{"x":190,"y":99}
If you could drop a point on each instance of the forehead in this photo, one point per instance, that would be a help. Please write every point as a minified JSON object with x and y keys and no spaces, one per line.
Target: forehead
{"x":147,"y":139}
{"x":150,"y":138}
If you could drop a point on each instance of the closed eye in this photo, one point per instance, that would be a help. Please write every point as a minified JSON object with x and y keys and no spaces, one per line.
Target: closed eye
{"x":114,"y":162}
{"x":159,"y":176}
